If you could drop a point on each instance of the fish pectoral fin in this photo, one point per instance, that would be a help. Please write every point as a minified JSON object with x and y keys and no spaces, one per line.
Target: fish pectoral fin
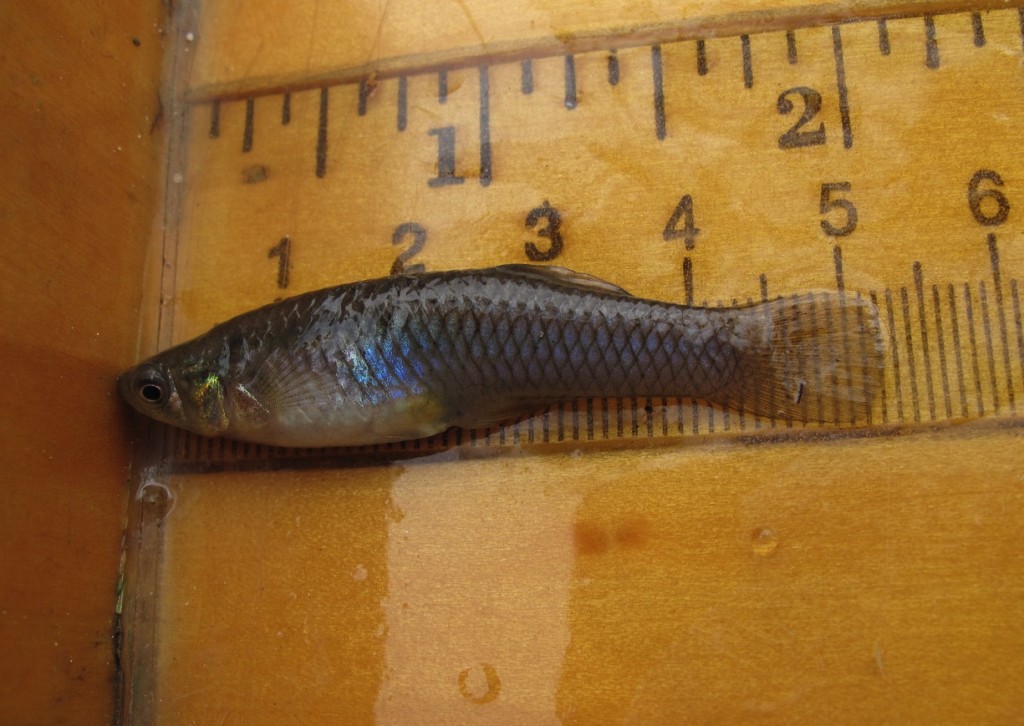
{"x":565,"y":277}
{"x":283,"y":382}
{"x":411,"y":417}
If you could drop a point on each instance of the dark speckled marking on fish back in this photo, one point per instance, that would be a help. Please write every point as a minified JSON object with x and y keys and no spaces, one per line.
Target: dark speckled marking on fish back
{"x":408,"y":356}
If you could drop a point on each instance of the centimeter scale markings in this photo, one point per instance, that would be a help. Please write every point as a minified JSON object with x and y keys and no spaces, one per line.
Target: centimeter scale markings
{"x":955,"y":349}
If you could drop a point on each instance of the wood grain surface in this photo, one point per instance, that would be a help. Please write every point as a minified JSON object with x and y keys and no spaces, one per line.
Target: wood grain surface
{"x":615,"y":563}
{"x":663,"y":563}
{"x":82,"y":147}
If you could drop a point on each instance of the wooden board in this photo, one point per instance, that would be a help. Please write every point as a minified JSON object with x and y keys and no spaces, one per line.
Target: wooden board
{"x":83,"y":146}
{"x":637,"y":561}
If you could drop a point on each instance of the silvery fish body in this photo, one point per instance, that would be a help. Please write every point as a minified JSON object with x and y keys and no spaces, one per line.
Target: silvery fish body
{"x":408,"y":356}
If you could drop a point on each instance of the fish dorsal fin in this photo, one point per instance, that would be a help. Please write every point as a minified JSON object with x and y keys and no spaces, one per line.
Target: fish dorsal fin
{"x":564,"y":276}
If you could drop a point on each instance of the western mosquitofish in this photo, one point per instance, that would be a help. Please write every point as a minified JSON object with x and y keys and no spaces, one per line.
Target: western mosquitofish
{"x":408,"y":356}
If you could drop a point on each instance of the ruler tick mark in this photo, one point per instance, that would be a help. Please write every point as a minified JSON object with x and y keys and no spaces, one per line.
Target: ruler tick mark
{"x":911,"y":364}
{"x":286,"y":109}
{"x":941,"y":345}
{"x":688,"y":279}
{"x":485,"y":127}
{"x":923,"y":322}
{"x":526,"y":77}
{"x":659,"y":93}
{"x":897,"y":386}
{"x":215,"y":119}
{"x":748,"y":62}
{"x":250,"y":112}
{"x":883,"y":392}
{"x":570,"y":82}
{"x":978,"y":30}
{"x":931,"y":44}
{"x":1015,"y":296}
{"x":702,"y":58}
{"x":442,"y":86}
{"x":791,"y":47}
{"x":954,"y":327}
{"x":321,"y":136}
{"x":844,"y":100}
{"x":613,"y":68}
{"x":997,"y":285}
{"x":837,"y":261}
{"x":365,"y":89}
{"x":403,"y":103}
{"x":883,"y":38}
{"x":973,"y":340}
{"x":987,"y":327}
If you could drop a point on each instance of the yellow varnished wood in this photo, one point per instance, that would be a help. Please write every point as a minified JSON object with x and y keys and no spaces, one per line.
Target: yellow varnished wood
{"x":729,"y":583}
{"x":82,"y":146}
{"x":657,"y":579}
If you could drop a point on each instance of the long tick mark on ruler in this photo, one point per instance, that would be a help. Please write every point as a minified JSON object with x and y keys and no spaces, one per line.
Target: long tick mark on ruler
{"x":997,"y":285}
{"x":403,"y":103}
{"x":485,"y":127}
{"x":250,"y":112}
{"x":442,"y":86}
{"x":883,"y":37}
{"x":526,"y":78}
{"x":978,"y":30}
{"x":659,"y":92}
{"x":748,"y":62}
{"x":570,"y":82}
{"x":844,"y":98}
{"x":321,"y":135}
{"x":940,"y":344}
{"x":791,"y":47}
{"x":925,"y":350}
{"x":931,"y":44}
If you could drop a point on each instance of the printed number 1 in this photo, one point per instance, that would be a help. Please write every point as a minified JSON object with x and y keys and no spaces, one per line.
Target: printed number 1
{"x":282,"y":251}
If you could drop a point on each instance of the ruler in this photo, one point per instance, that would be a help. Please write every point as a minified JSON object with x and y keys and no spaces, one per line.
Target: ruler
{"x":738,"y":563}
{"x":878,"y":157}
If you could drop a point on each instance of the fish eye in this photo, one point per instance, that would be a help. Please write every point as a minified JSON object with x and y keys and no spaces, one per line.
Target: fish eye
{"x":151,"y":391}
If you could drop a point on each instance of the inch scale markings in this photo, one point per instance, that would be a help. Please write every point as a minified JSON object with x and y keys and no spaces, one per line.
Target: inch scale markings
{"x":931,"y":60}
{"x":955,"y":346}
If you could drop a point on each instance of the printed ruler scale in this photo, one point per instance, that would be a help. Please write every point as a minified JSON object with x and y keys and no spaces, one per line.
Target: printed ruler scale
{"x":715,"y":170}
{"x":667,"y":560}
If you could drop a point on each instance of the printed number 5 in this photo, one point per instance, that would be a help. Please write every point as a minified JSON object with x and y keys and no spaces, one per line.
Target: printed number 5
{"x":828,"y":203}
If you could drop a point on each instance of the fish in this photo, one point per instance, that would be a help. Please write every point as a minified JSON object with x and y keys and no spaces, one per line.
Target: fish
{"x":414,"y":354}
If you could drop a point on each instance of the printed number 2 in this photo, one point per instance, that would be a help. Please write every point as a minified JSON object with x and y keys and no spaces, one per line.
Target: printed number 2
{"x":795,"y":138}
{"x":828,"y":203}
{"x":419,"y":238}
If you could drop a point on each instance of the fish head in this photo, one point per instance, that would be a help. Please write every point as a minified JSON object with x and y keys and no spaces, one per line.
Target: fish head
{"x":191,"y":395}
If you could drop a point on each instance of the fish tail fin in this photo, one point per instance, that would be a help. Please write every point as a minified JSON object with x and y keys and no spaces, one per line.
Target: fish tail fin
{"x":819,"y":358}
